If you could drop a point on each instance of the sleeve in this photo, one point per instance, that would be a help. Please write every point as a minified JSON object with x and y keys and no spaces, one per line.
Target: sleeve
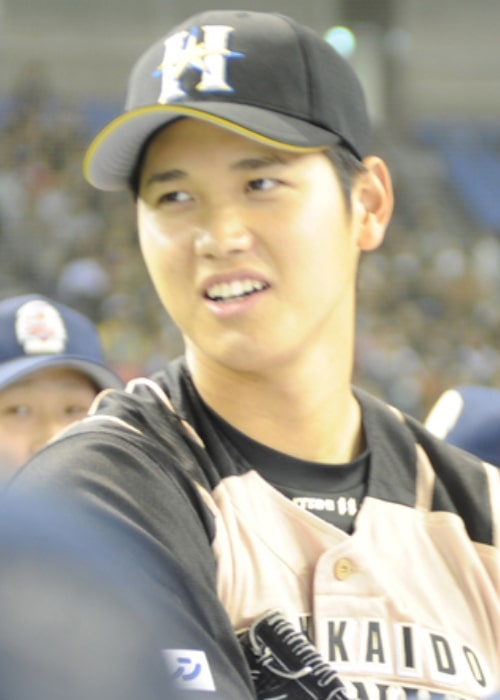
{"x":146,"y":496}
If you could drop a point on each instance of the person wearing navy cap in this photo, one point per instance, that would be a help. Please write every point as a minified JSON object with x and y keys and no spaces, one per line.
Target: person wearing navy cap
{"x":326,"y":544}
{"x":51,"y":368}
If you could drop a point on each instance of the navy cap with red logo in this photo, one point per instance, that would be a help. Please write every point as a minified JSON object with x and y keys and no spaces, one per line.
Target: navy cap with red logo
{"x":37,"y":333}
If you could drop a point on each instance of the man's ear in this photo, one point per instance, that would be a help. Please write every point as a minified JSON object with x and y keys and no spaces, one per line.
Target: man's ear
{"x":372,"y":202}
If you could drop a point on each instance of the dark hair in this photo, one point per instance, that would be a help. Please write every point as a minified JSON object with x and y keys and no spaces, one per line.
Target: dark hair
{"x":135,"y":176}
{"x":345,"y":164}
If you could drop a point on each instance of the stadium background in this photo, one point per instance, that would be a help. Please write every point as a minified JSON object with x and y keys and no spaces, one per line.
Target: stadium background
{"x":428,"y":313}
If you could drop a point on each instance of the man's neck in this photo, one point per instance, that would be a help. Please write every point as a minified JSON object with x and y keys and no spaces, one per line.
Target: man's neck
{"x":300,"y":413}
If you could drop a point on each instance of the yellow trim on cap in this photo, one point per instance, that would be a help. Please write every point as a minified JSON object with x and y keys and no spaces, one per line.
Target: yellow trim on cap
{"x":199,"y":114}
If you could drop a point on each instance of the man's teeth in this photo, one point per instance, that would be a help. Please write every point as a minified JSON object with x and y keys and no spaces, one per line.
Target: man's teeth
{"x":234,"y":289}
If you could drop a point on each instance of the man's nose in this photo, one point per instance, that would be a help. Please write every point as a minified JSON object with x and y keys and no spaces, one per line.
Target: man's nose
{"x":44,"y":431}
{"x":223,"y":233}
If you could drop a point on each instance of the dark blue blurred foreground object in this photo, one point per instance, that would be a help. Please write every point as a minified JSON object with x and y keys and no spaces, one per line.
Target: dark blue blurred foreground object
{"x":73,"y":622}
{"x":469,"y":417}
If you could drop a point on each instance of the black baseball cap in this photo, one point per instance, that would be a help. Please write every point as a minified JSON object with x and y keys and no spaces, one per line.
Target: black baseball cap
{"x":37,"y":333}
{"x":259,"y":74}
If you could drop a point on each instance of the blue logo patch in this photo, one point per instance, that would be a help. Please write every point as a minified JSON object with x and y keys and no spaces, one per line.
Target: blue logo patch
{"x":189,"y":669}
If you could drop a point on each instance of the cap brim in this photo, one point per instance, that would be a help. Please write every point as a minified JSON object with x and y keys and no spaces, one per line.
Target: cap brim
{"x":16,"y":370}
{"x":112,"y":155}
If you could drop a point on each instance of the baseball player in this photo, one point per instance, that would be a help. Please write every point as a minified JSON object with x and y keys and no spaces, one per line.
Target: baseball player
{"x":326,"y":545}
{"x":51,"y":368}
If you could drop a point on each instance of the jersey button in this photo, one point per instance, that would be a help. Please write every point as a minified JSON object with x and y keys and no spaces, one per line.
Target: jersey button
{"x":343,"y":568}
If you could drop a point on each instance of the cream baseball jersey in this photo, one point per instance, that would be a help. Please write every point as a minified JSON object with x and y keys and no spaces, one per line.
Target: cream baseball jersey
{"x":405,"y":606}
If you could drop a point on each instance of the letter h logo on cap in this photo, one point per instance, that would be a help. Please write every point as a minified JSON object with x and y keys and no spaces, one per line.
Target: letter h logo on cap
{"x":209,"y":56}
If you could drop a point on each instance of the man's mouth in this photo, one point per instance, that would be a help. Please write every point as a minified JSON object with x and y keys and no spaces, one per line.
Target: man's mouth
{"x":236,"y":289}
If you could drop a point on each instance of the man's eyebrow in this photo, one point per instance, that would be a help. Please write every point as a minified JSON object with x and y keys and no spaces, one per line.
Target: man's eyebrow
{"x":255,"y":162}
{"x":166,"y":176}
{"x":250,"y":163}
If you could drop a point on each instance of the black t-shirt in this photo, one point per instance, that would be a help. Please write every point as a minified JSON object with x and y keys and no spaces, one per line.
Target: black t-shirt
{"x":332,"y":492}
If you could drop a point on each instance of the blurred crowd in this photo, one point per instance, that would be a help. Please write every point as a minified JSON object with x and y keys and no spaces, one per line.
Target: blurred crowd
{"x":62,"y":238}
{"x":428,"y":316}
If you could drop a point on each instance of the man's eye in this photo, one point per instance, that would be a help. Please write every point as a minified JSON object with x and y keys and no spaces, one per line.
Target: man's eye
{"x":75,"y":410}
{"x":16,"y":410}
{"x":262,"y":184}
{"x":173,"y":197}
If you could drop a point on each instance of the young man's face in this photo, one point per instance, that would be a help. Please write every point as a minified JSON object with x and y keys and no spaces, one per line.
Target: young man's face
{"x":251,"y":248}
{"x":34,"y":409}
